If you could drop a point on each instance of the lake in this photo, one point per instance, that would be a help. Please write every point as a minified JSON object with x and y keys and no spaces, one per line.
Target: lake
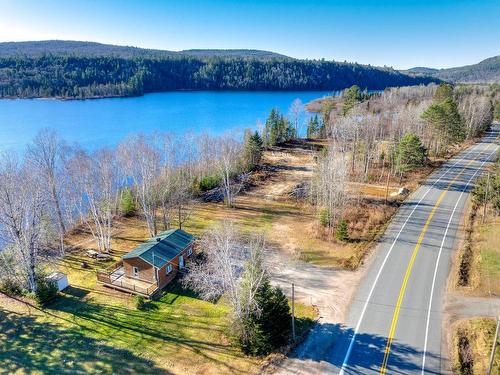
{"x":105,"y":122}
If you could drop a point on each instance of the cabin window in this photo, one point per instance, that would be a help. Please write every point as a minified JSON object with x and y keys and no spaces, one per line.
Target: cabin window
{"x":190,"y":251}
{"x":181,"y":262}
{"x":136,"y":271}
{"x":169,"y":268}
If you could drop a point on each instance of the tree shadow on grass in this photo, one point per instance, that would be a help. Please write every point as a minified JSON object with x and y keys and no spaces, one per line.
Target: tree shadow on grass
{"x":30,"y":346}
{"x":155,"y":326}
{"x":75,"y":291}
{"x":177,"y":289}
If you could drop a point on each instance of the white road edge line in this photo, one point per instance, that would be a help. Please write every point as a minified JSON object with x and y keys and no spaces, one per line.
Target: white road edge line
{"x":439,"y":256}
{"x":358,"y":325}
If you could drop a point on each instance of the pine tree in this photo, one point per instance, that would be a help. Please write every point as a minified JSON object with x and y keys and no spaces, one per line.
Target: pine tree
{"x":277,"y":129}
{"x":127,"y":204}
{"x":445,"y":119}
{"x":253,"y":150}
{"x":269,"y":328}
{"x":410,"y":154}
{"x":443,"y":91}
{"x":342,"y":232}
{"x":496,"y":111}
{"x":313,"y":127}
{"x":351,"y":97}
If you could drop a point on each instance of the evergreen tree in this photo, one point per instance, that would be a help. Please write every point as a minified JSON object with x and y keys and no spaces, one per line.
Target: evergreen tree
{"x":277,"y":129}
{"x":410,"y":154}
{"x":351,"y":97}
{"x":342,"y":232}
{"x":443,"y":91}
{"x":445,"y":118}
{"x":324,"y":218}
{"x":326,"y":108}
{"x":496,"y":111}
{"x":253,"y":149}
{"x":127,"y":204}
{"x":269,"y":327}
{"x":313,"y":127}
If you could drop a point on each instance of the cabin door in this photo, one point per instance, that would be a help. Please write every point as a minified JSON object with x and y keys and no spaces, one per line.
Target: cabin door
{"x":181,"y":262}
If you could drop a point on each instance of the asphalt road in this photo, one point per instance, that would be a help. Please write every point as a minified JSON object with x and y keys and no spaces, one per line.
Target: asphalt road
{"x":394,"y":324}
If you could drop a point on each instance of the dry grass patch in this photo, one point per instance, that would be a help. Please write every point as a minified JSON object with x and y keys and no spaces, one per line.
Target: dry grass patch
{"x":472,"y":341}
{"x":478,"y":266}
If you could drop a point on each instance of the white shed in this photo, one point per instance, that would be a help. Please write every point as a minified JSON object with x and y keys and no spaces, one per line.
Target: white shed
{"x":58,"y":278}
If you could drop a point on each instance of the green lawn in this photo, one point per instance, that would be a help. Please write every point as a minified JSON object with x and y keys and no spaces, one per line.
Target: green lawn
{"x":489,"y":261}
{"x":80,"y":333}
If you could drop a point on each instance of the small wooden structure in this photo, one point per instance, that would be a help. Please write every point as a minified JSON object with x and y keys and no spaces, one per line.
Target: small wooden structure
{"x":151,"y":266}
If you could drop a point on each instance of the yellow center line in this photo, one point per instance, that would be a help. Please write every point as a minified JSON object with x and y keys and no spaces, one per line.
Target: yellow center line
{"x":397,"y":308}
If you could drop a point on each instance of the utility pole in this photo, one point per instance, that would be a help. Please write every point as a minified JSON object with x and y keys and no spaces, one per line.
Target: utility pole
{"x":486,"y":197}
{"x":293,"y":311}
{"x":387,"y":185}
{"x":495,"y":339}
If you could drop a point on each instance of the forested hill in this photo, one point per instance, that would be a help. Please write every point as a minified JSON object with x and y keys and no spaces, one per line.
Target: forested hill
{"x":92,"y":49}
{"x":95,"y":74}
{"x":486,"y":71}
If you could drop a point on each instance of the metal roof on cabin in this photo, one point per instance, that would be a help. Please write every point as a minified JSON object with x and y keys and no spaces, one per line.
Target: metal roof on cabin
{"x":155,"y":252}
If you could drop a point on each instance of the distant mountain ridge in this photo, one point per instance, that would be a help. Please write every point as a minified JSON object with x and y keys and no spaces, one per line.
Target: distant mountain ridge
{"x":80,"y":70}
{"x":94,"y":49}
{"x":486,"y":71}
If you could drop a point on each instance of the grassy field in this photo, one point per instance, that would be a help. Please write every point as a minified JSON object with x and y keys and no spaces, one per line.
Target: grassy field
{"x":479,"y":257}
{"x":488,"y":260}
{"x":472,"y":340}
{"x":93,"y":329}
{"x":77,"y":333}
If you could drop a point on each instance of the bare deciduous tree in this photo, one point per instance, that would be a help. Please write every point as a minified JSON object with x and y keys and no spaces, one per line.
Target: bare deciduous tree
{"x":330,"y":184}
{"x":296,"y":111}
{"x":45,"y":156}
{"x":96,"y":181}
{"x":22,"y":207}
{"x":226,"y":259}
{"x":141,"y":160}
{"x":228,"y":160}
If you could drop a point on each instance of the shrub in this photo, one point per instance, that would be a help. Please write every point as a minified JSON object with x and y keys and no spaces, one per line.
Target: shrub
{"x":10,"y":287}
{"x":127,"y":204}
{"x":342,"y":233}
{"x":209,"y":182}
{"x":45,"y":291}
{"x":140,"y":303}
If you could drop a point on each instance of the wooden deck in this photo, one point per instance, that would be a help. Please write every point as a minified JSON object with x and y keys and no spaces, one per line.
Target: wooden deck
{"x":118,"y":280}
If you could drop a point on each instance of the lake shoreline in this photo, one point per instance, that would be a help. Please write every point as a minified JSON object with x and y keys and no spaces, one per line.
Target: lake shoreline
{"x":106,"y":122}
{"x":99,"y":97}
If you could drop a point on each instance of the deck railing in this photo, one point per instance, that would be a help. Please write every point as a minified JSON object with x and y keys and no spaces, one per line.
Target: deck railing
{"x":104,"y":276}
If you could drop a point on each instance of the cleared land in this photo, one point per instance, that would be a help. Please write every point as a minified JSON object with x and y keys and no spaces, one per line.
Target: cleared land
{"x":291,"y":223}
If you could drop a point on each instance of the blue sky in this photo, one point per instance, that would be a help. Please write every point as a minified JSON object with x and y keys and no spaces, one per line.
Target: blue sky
{"x":402,"y":34}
